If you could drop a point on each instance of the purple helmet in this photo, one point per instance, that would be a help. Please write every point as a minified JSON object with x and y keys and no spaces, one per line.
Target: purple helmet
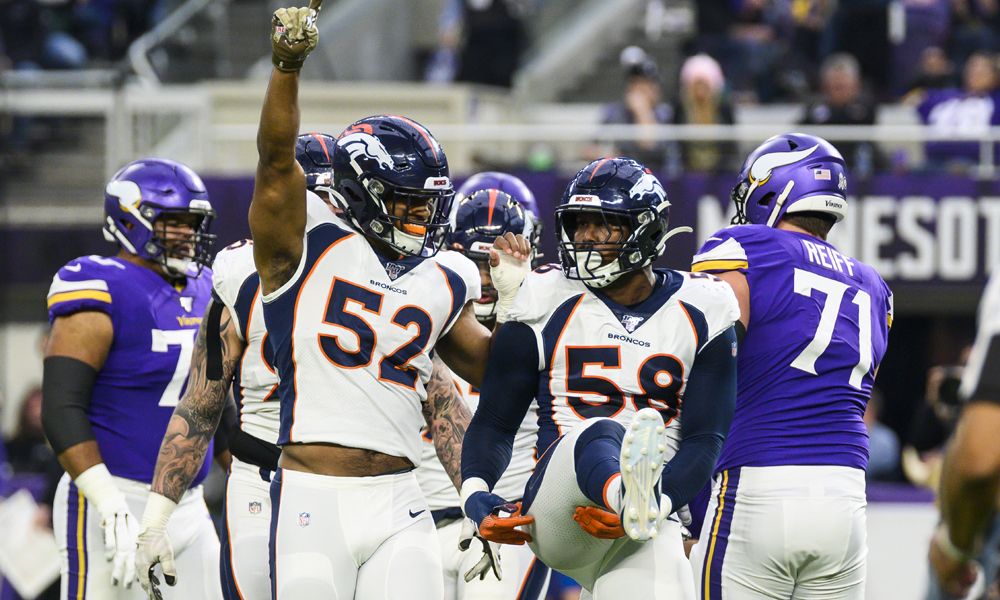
{"x":143,"y":192}
{"x":790,"y":173}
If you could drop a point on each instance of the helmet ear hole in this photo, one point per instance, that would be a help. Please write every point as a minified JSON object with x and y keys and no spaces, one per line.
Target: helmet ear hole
{"x":766,"y":199}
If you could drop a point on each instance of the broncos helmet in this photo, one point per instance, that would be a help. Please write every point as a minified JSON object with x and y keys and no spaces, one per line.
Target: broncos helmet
{"x":624,"y":193}
{"x":790,"y":173}
{"x":145,"y":193}
{"x":480,"y":219}
{"x":314,"y":151}
{"x":382,"y":160}
{"x":512,"y":186}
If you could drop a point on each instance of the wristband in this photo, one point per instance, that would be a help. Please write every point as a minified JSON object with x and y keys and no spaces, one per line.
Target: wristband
{"x":286,"y":66}
{"x":99,"y":488}
{"x":158,"y":511}
{"x":470,"y":486}
{"x":948,"y":548}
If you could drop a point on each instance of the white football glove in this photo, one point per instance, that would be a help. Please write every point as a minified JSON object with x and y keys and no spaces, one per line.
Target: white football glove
{"x":154,"y":548}
{"x":491,"y":553}
{"x":121,"y":528}
{"x":154,"y":545}
{"x":507,"y":277}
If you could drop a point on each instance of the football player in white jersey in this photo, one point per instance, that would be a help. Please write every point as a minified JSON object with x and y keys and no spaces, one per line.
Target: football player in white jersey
{"x":482,"y":215}
{"x":353,"y":310}
{"x":246,"y":357}
{"x":631,"y":367}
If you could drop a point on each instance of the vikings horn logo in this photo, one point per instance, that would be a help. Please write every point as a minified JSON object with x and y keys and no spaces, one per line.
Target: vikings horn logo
{"x":647,"y":184}
{"x":761,"y":168}
{"x":365,"y":145}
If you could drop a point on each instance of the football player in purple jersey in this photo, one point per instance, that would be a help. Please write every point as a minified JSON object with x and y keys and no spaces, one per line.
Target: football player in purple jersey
{"x":116,"y":364}
{"x":786,"y":518}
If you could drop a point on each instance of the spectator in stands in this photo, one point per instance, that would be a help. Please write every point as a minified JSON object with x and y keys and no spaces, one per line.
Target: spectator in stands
{"x":702,"y":102}
{"x":976,"y":28}
{"x":926,"y":26}
{"x":935,"y":72}
{"x":30,"y":43}
{"x":495,"y":35}
{"x":968,"y":111}
{"x":843,"y":102}
{"x":883,"y":443}
{"x":640,"y":105}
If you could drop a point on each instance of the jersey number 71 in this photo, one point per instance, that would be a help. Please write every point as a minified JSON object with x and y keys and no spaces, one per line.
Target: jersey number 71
{"x":805,"y":282}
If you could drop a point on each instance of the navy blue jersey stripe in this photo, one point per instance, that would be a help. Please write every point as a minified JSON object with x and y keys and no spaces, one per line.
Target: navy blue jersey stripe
{"x":244,"y":302}
{"x":698,"y":322}
{"x":536,"y":580}
{"x":554,"y":328}
{"x":458,"y":293}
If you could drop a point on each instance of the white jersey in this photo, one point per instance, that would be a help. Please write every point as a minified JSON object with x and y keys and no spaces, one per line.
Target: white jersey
{"x":352,"y":334}
{"x":600,"y":359}
{"x":255,"y":384}
{"x":437,"y":486}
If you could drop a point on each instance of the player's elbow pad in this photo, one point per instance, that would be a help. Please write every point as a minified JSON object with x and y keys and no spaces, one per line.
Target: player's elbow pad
{"x":66,"y":387}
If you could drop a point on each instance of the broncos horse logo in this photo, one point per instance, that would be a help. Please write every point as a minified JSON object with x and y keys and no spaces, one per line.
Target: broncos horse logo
{"x":365,"y":145}
{"x":647,"y":184}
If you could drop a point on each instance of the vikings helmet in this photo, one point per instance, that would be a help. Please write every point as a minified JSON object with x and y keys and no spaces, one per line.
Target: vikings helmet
{"x":622,"y":192}
{"x":146,"y":192}
{"x":383,"y":160}
{"x":787,"y":174}
{"x":314,"y":151}
{"x":510,"y":185}
{"x":480,"y":219}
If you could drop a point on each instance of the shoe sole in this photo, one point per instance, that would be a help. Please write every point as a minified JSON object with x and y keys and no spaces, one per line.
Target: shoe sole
{"x":641,"y":461}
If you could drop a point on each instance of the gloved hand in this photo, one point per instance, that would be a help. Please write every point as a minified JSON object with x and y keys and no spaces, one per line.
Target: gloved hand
{"x":509,"y":265}
{"x":484,"y":509}
{"x":599,"y":523}
{"x":121,"y":528}
{"x":154,"y":548}
{"x":491,"y":553}
{"x":293,"y":36}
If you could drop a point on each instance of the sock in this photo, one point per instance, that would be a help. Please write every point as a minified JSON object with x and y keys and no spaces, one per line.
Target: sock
{"x":614,"y":494}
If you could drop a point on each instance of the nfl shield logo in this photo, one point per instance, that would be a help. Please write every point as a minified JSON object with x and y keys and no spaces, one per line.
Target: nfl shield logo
{"x":303,"y":519}
{"x":630,"y":322}
{"x":842,"y":182}
{"x":187,"y":303}
{"x":255,"y":508}
{"x":393,"y":270}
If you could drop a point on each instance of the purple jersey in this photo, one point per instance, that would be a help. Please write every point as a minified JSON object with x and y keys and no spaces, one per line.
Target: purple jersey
{"x":145,"y":373}
{"x":818,"y":327}
{"x":955,"y":112}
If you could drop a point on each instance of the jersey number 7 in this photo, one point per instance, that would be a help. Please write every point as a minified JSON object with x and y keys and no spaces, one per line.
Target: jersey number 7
{"x":805,"y":282}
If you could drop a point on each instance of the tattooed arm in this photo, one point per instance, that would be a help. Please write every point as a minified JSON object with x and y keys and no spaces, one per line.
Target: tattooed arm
{"x":197,"y":415}
{"x":448,"y":417}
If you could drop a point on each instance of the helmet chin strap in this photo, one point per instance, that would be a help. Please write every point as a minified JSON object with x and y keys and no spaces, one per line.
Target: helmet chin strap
{"x":780,"y":203}
{"x":602,"y":275}
{"x":177,"y":266}
{"x":485,"y":311}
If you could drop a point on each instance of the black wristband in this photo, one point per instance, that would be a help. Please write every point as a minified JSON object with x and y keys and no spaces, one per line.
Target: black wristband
{"x":66,"y":387}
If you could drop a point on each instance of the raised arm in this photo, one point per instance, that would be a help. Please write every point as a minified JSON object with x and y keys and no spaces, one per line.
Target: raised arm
{"x":448,"y":418}
{"x":278,"y":209}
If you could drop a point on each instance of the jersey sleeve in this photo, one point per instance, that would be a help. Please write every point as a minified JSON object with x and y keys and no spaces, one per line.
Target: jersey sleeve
{"x":231,"y":269}
{"x":538,"y":299}
{"x":981,"y":378}
{"x":722,"y":251}
{"x":462,"y":273}
{"x":82,"y":285}
{"x":711,"y":305}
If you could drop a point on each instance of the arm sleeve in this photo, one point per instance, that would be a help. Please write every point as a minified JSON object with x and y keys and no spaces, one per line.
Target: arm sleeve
{"x":706,"y":413}
{"x":66,"y":386}
{"x":508,"y":388}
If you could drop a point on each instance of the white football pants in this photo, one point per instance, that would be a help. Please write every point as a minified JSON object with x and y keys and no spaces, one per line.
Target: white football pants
{"x":606,"y":569}
{"x":783,"y":533}
{"x":246,"y":529}
{"x":86,"y":575}
{"x":367,"y":538}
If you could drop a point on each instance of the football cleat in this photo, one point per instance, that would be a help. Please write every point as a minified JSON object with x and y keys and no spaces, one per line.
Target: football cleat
{"x":641,"y":461}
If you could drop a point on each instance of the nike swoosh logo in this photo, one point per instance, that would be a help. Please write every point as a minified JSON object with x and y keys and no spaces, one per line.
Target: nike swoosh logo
{"x":762,"y":167}
{"x":76,"y":269}
{"x":417,"y":514}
